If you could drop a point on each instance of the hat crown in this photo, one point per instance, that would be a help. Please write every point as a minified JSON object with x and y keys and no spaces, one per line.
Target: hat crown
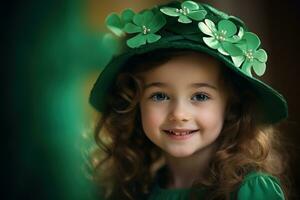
{"x":198,"y":23}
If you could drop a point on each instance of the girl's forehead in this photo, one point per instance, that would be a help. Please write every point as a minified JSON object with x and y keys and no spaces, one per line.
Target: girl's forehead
{"x":193,"y":67}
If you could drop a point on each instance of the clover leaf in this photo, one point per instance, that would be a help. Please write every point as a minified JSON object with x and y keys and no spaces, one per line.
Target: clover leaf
{"x":189,"y":10}
{"x":146,"y":24}
{"x":116,"y":23}
{"x":221,"y":37}
{"x":251,"y":56}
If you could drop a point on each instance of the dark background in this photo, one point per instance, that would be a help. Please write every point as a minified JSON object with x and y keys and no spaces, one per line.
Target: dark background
{"x":53,"y":54}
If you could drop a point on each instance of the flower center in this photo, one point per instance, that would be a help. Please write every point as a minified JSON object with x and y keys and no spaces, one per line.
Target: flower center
{"x":249,"y":54}
{"x":183,"y":11}
{"x":145,"y":30}
{"x":221,"y":35}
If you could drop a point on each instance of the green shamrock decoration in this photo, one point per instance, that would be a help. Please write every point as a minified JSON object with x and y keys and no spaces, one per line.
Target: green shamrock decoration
{"x":227,"y":37}
{"x":189,"y":10}
{"x":146,"y":24}
{"x":222,"y":37}
{"x":250,"y":56}
{"x":116,"y":24}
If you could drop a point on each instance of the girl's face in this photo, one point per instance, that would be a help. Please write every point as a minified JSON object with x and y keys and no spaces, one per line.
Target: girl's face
{"x":183,"y":104}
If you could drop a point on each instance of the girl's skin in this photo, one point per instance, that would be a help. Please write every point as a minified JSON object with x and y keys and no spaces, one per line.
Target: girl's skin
{"x":184,"y":93}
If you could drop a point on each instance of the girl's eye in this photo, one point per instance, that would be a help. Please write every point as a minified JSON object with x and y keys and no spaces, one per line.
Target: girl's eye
{"x":159,"y":96}
{"x":200,"y":97}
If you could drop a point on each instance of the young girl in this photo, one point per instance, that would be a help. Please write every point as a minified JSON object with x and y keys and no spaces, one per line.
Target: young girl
{"x":182,"y":114}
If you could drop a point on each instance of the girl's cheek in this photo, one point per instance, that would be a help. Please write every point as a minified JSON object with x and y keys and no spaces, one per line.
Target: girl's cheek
{"x":153,"y":121}
{"x":153,"y":115}
{"x":212,"y":116}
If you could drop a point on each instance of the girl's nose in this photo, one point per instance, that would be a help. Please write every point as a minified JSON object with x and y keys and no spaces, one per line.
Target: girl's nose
{"x":179,"y":111}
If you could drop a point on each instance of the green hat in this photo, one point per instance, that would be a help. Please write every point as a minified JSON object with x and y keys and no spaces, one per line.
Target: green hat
{"x":193,"y":26}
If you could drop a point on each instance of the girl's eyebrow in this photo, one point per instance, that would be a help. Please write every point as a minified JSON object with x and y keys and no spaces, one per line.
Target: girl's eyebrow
{"x":199,"y":85}
{"x":192,"y":85}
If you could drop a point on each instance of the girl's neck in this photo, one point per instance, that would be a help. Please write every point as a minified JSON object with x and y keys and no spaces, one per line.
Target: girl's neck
{"x":182,"y":172}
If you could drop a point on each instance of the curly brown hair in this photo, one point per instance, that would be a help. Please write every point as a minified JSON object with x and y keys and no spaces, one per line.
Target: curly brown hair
{"x":128,"y":160}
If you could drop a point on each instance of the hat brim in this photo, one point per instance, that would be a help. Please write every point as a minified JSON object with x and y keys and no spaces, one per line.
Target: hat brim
{"x":272,"y":102}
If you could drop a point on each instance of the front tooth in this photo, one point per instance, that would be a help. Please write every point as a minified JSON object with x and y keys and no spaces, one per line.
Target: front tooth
{"x":182,"y":133}
{"x":179,"y":133}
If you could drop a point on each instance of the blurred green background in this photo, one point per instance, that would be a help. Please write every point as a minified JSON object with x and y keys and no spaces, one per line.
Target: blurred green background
{"x":56,"y":53}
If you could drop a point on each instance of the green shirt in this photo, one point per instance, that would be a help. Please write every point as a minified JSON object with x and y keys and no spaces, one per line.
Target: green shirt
{"x":256,"y":185}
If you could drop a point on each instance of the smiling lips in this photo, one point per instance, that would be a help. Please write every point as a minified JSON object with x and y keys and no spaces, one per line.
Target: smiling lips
{"x":180,"y":132}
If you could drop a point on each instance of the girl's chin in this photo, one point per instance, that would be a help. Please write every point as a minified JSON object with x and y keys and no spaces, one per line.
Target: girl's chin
{"x":180,"y":153}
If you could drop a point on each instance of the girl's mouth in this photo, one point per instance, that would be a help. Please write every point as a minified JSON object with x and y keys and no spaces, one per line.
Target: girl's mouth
{"x":180,"y":134}
{"x":177,"y":133}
